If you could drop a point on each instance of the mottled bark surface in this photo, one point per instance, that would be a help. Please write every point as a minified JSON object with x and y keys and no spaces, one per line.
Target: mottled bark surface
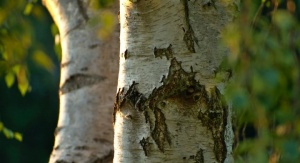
{"x":89,"y":69}
{"x":169,"y":105}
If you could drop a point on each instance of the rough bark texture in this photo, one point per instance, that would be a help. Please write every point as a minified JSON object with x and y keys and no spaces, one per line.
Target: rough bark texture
{"x":89,"y":69}
{"x":169,"y":106}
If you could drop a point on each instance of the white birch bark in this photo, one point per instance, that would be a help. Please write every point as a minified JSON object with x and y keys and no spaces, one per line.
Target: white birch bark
{"x":169,"y":106}
{"x":89,"y":69}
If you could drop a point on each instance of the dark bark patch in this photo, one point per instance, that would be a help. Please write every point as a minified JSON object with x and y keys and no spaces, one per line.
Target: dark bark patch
{"x":160,"y":132}
{"x":125,"y":54}
{"x":117,"y":104}
{"x":104,"y":159}
{"x":199,"y":158}
{"x":78,"y":81}
{"x":188,"y":38}
{"x":65,"y":64}
{"x":84,"y":69}
{"x":215,"y":119}
{"x":57,"y":130}
{"x":164,"y":52}
{"x":82,"y":10}
{"x":180,"y":88}
{"x":92,"y":46}
{"x":145,"y":143}
{"x":209,"y":4}
{"x":81,"y":147}
{"x":132,"y":97}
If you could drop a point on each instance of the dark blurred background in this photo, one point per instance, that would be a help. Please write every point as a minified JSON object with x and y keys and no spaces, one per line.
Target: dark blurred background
{"x":35,"y":114}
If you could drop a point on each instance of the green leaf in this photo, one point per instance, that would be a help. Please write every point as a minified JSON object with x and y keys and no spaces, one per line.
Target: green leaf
{"x":9,"y":79}
{"x":8,"y":133}
{"x":23,"y":84}
{"x":16,"y":69}
{"x":23,"y":88}
{"x":1,"y":126}
{"x":28,"y":8}
{"x":43,"y":60}
{"x":18,"y":136}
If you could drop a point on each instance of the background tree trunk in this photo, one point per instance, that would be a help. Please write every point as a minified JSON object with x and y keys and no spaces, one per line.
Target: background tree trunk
{"x":169,"y":106}
{"x":88,"y":80}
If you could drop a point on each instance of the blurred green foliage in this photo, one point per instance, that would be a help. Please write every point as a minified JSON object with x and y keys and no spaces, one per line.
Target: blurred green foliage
{"x":264,"y":43}
{"x":18,"y":44}
{"x":29,"y":75}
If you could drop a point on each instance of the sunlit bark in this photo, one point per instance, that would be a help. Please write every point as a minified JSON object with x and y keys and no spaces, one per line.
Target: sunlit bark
{"x":169,"y":106}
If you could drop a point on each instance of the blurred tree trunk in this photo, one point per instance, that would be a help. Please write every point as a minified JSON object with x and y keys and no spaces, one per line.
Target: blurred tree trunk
{"x":89,"y":70}
{"x":169,"y":105}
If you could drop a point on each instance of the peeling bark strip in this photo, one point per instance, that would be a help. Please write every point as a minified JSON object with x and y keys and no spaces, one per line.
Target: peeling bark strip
{"x":77,"y":81}
{"x":181,"y":89}
{"x":164,"y":52}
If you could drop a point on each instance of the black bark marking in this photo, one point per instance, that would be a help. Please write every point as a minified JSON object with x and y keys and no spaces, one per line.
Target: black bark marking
{"x":215,"y":119}
{"x":164,"y":52}
{"x":135,"y":98}
{"x":56,"y":148}
{"x":126,"y":55}
{"x":92,"y":46}
{"x":145,"y":143}
{"x":199,"y":156}
{"x":132,"y":96}
{"x":117,"y":104}
{"x":82,"y":10}
{"x":78,"y":81}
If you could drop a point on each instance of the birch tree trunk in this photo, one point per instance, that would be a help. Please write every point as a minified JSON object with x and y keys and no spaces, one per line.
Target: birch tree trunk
{"x":89,"y":69}
{"x":169,"y":105}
